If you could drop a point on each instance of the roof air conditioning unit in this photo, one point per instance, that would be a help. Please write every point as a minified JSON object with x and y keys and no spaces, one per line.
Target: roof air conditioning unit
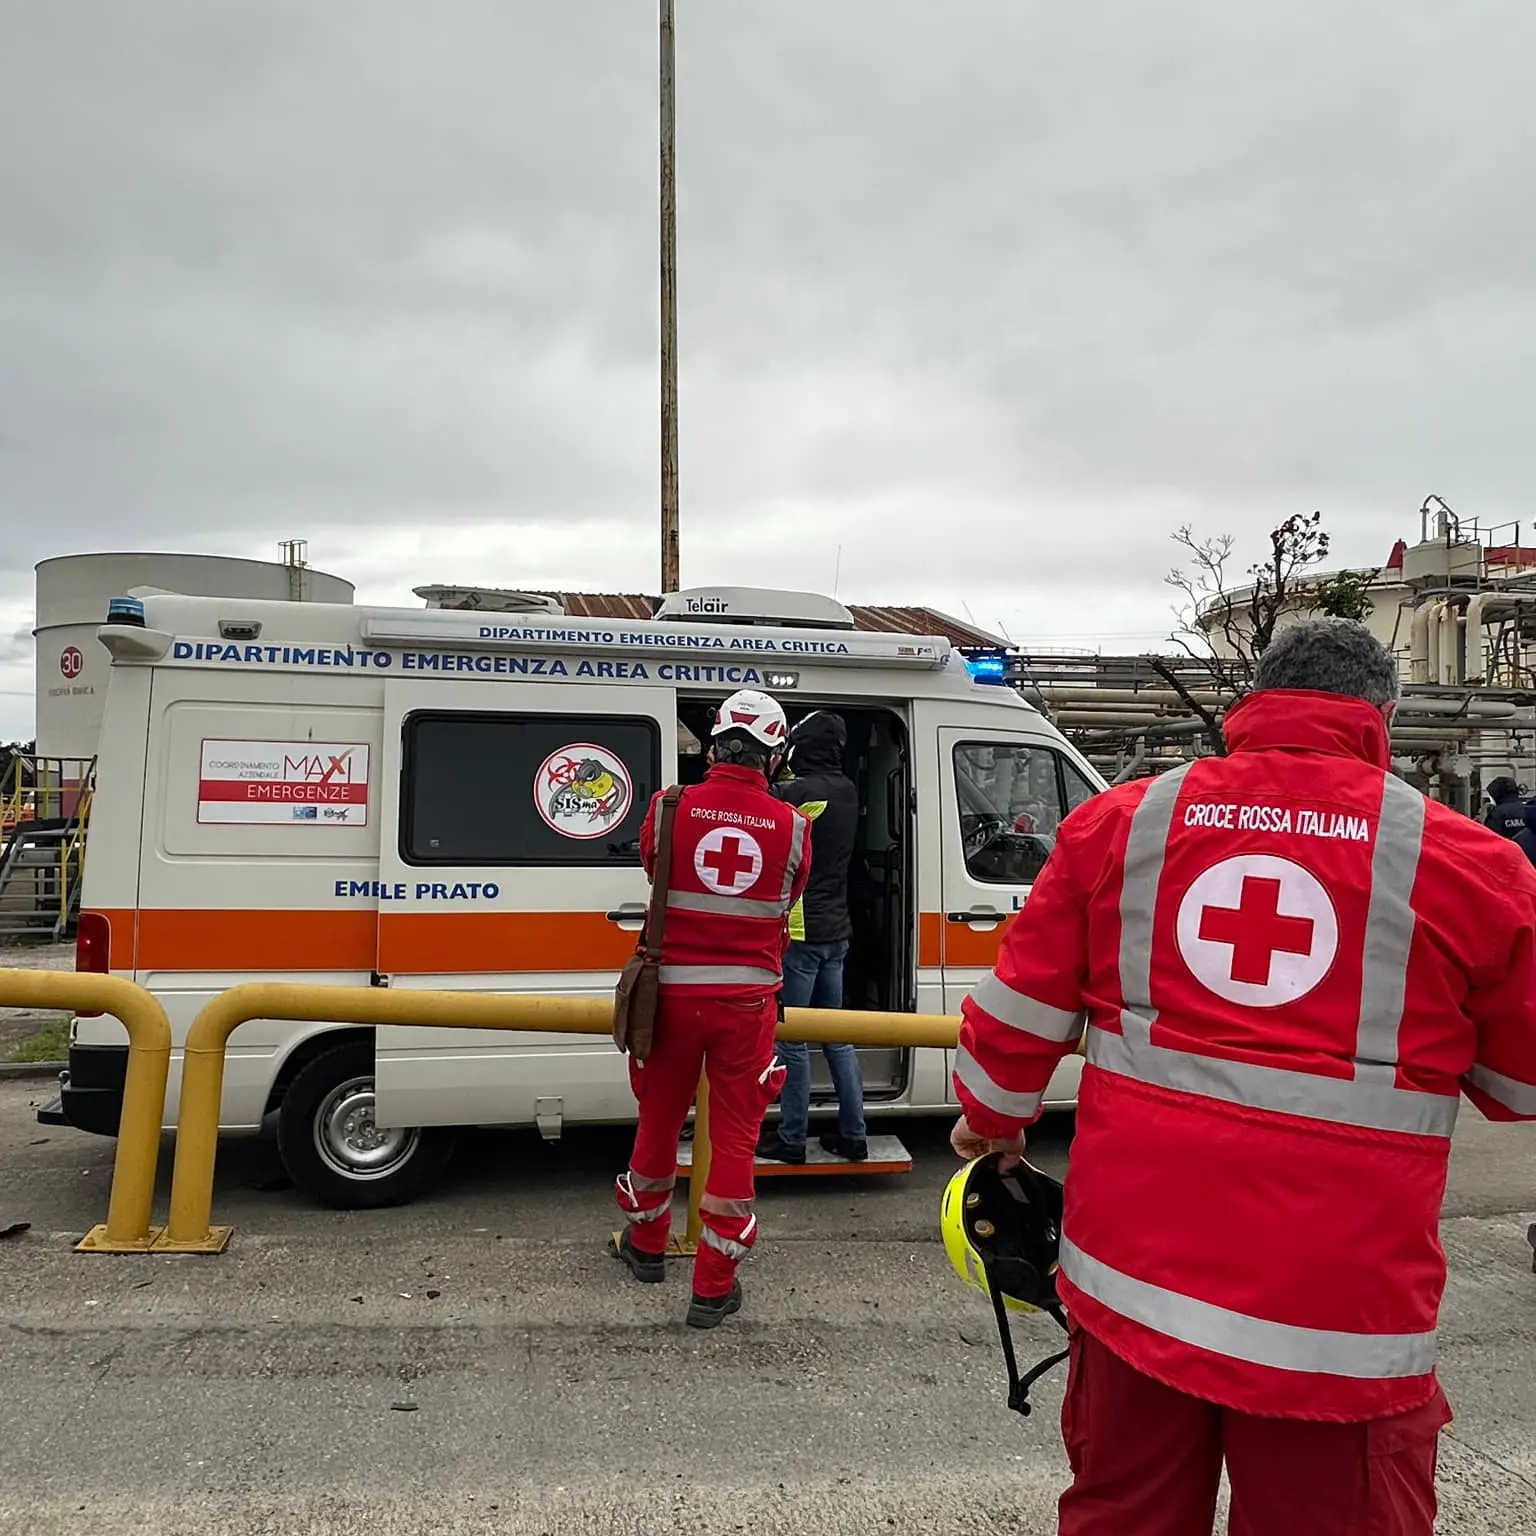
{"x":753,"y":605}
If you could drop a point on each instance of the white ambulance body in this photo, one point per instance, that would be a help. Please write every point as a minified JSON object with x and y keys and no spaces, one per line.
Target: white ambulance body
{"x":436,"y":798}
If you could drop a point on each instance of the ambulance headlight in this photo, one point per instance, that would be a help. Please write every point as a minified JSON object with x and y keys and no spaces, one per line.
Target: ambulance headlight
{"x":778,"y":681}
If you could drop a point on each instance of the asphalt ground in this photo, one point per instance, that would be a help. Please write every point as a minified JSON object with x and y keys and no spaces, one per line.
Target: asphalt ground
{"x":476,"y":1363}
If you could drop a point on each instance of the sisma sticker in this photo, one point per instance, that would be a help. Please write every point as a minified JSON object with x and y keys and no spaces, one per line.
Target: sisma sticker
{"x":582,"y":791}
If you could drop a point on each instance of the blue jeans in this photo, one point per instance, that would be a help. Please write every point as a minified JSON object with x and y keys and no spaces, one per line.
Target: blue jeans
{"x":813,"y":978}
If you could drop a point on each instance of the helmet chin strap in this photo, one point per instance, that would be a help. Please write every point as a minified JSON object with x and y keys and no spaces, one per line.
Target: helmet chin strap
{"x":1018,"y":1386}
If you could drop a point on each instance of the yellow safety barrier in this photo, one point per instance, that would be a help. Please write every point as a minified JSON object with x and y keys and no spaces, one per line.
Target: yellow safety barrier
{"x":127,"y":1228}
{"x":202,"y":1083}
{"x":698,"y":1172}
{"x":815,"y":1026}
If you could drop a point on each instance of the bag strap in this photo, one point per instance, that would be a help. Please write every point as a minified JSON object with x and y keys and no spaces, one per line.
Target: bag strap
{"x":656,"y":909}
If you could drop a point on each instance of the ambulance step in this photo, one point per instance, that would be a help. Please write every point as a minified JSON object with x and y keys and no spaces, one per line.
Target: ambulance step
{"x":886,"y":1155}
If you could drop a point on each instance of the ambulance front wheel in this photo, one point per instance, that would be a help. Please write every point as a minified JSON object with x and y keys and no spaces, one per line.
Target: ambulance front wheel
{"x":332,"y":1148}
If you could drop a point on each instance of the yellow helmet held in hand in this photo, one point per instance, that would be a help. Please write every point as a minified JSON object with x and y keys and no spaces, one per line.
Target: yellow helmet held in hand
{"x":1005,"y":1229}
{"x":1002,"y":1232}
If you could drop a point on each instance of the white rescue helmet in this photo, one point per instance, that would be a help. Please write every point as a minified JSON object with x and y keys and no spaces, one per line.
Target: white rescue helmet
{"x":755,"y":713}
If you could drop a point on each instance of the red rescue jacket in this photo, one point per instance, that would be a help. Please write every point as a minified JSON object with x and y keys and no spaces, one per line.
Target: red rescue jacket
{"x":740,"y":860}
{"x":1289,"y":963}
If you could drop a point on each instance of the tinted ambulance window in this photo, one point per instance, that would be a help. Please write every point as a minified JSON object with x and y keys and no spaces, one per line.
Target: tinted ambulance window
{"x":526,"y":789}
{"x":1011,"y":798}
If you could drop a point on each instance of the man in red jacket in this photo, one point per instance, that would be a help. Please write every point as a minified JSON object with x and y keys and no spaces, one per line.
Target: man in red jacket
{"x":740,"y":860}
{"x":1289,"y":963}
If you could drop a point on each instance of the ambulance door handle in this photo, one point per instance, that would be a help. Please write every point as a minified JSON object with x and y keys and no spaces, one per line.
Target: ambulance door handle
{"x":630,"y":915}
{"x":988,"y":915}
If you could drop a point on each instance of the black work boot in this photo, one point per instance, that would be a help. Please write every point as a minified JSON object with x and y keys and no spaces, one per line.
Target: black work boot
{"x":773,"y":1149}
{"x":711,"y":1311}
{"x":844,"y":1147}
{"x":649,"y":1268}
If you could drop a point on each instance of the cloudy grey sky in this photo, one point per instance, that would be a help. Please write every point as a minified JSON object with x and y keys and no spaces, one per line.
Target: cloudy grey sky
{"x":989,"y":294}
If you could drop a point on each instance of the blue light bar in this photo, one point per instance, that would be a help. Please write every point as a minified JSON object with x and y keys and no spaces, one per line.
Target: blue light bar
{"x":989,"y":667}
{"x":125,"y":610}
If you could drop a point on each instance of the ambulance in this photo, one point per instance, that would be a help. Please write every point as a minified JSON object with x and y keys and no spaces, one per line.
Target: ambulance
{"x":442,"y":798}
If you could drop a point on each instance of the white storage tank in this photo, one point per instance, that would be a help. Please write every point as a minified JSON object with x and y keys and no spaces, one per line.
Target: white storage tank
{"x":72,"y":596}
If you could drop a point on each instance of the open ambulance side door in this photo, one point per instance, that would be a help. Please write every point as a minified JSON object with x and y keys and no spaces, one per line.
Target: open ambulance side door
{"x":1001,"y":797}
{"x":509,"y":861}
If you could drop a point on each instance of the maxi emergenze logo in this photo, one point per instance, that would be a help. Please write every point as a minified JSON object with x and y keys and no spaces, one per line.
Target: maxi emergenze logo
{"x":308,"y":783}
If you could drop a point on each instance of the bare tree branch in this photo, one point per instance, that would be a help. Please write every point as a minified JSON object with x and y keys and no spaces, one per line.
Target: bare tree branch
{"x":1208,"y":718}
{"x":1224,"y":630}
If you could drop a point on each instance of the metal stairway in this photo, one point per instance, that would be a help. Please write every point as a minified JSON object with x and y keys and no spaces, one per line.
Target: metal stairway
{"x":45,"y":806}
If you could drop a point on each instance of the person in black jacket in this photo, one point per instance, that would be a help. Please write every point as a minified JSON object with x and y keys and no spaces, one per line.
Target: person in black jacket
{"x":819,"y":931}
{"x":1506,"y":810}
{"x":1525,"y":838}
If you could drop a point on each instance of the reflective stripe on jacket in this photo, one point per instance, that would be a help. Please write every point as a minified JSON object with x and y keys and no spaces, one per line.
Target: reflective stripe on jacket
{"x":1288,"y":963}
{"x":740,"y":859}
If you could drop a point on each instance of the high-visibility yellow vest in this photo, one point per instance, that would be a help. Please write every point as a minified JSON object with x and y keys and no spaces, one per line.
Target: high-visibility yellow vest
{"x":811,"y":809}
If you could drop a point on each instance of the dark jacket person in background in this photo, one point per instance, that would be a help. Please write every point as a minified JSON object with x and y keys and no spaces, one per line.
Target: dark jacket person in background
{"x":1506,"y":814}
{"x":819,"y":931}
{"x":1525,"y":839}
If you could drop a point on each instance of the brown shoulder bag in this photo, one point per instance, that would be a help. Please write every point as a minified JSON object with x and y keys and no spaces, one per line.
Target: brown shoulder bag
{"x":635,"y":997}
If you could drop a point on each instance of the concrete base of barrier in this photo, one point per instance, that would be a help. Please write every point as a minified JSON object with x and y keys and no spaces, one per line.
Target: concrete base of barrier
{"x":216,"y":1242}
{"x":97,"y":1241}
{"x":886,"y":1155}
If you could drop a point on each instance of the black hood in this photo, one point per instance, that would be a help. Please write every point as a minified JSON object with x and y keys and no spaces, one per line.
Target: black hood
{"x":818,"y":742}
{"x":1503,"y":789}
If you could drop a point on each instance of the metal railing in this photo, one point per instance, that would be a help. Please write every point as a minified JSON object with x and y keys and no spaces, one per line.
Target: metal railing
{"x":45,"y":805}
{"x":44,"y":788}
{"x":72,"y":857}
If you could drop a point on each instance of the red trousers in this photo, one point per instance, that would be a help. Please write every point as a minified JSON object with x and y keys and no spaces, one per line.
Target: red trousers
{"x":732,"y":1039}
{"x":1146,"y":1461}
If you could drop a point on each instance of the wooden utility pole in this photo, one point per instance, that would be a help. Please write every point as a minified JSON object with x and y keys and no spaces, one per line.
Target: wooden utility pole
{"x":670,"y":577}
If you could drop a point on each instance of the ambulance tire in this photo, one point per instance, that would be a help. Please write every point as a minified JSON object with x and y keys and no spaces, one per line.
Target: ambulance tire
{"x":331,"y":1149}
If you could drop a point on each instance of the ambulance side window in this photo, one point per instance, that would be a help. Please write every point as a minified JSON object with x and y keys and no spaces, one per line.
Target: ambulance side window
{"x":1011,"y":798}
{"x":523,"y":789}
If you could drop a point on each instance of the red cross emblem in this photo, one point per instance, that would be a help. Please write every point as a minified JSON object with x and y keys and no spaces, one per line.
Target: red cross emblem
{"x":728,"y":861}
{"x":1257,"y":930}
